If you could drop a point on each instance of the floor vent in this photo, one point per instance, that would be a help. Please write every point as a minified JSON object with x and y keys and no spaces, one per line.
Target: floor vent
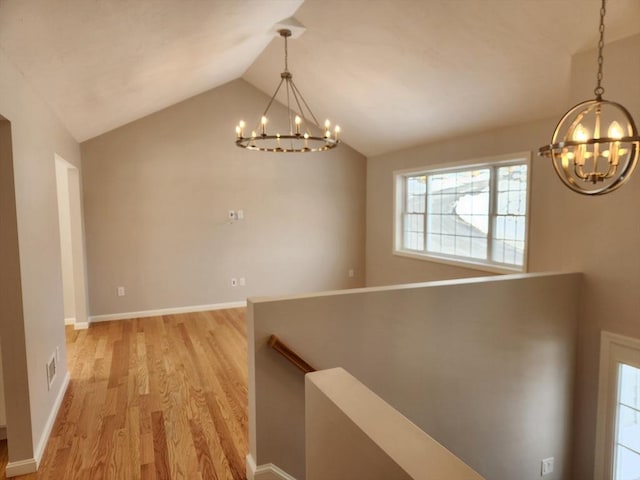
{"x":51,"y":371}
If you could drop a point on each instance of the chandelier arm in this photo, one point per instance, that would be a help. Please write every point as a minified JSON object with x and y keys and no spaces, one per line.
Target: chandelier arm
{"x":611,"y":171}
{"x":273,"y":97}
{"x":295,"y":93}
{"x":295,"y":89}
{"x":574,"y":123}
{"x":579,"y":171}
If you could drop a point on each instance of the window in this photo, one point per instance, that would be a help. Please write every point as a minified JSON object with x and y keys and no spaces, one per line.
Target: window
{"x":618,"y":430}
{"x":474,"y":213}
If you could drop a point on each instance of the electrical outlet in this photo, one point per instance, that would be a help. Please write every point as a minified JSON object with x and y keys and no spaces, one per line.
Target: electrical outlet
{"x":352,"y":273}
{"x":547,"y":466}
{"x":233,"y":215}
{"x":240,"y":214}
{"x":243,"y":281}
{"x":234,"y":282}
{"x":121,"y":291}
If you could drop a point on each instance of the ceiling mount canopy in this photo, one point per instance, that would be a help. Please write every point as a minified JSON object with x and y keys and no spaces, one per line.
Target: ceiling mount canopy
{"x":299,"y":136}
{"x":595,"y":145}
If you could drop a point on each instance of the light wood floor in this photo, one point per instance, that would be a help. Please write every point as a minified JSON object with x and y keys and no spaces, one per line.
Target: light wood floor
{"x":154,"y":398}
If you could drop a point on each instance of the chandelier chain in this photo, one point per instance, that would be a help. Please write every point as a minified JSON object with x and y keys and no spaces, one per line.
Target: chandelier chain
{"x":599,"y":90}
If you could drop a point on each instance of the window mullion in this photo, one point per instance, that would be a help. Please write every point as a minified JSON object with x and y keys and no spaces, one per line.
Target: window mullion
{"x":492,"y":209}
{"x":630,"y":407}
{"x":405,"y":209}
{"x":426,"y":208}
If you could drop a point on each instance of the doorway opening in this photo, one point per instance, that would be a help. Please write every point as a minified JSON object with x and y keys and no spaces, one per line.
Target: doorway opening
{"x":71,"y":244}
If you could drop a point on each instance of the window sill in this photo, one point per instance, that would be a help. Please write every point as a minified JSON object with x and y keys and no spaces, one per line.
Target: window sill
{"x":455,"y":262}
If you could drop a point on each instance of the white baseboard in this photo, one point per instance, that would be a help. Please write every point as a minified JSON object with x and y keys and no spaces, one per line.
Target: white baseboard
{"x":21,"y":467}
{"x":30,"y":465}
{"x":81,"y":326}
{"x":268,"y":471}
{"x":165,"y":311}
{"x":44,"y":438}
{"x":70,"y":320}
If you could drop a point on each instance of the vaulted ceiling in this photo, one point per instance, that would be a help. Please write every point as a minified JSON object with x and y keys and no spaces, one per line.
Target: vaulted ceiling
{"x":392,"y":73}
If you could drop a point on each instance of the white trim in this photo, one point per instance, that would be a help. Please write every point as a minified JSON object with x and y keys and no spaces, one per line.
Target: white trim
{"x":165,"y":311}
{"x":268,"y":471}
{"x":457,"y":262}
{"x":44,"y":438}
{"x":30,"y":465}
{"x":473,"y":162}
{"x":81,"y":326}
{"x":251,"y":467}
{"x":21,"y":467}
{"x":410,"y":286}
{"x":70,"y":320}
{"x":614,"y":348}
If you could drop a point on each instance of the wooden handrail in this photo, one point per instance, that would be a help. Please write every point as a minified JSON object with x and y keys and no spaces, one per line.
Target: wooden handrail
{"x":293,"y":357}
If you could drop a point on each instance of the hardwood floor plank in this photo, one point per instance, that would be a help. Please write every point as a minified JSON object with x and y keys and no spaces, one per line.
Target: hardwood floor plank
{"x":102,"y":448}
{"x":146,"y":449}
{"x":142,"y":372}
{"x":147,"y":472}
{"x":160,"y":453}
{"x":234,"y":457}
{"x":133,"y":442}
{"x":205,"y":462}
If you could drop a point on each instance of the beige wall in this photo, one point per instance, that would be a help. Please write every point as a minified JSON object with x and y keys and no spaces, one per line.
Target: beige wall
{"x":483,"y":366}
{"x":598,"y":236}
{"x":603,"y":235}
{"x":32,"y":318}
{"x":157,"y":194}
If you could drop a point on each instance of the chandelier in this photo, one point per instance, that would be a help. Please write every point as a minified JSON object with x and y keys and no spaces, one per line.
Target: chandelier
{"x":300,"y":137}
{"x":595,"y":145}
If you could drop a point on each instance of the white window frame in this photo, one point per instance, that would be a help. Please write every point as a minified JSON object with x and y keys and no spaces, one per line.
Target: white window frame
{"x":399,"y":177}
{"x":614,"y":349}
